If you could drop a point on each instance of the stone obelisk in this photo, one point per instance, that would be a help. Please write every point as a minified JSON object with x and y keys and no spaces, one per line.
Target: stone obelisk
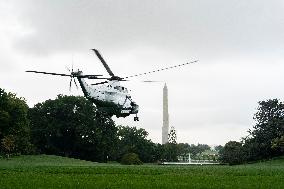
{"x":165,"y":128}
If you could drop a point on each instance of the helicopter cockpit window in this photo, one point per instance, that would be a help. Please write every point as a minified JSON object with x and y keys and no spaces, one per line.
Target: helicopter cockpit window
{"x":121,"y":89}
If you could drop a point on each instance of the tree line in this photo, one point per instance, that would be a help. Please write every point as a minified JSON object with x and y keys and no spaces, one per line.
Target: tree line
{"x":70,"y":126}
{"x":264,"y":141}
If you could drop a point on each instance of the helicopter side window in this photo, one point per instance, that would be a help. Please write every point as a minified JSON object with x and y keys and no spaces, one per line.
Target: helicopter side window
{"x":124,"y":89}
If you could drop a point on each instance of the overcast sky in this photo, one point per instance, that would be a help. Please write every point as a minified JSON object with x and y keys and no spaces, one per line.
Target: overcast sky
{"x":239,"y":45}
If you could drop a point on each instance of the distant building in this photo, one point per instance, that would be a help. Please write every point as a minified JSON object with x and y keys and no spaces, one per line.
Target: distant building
{"x":165,"y":128}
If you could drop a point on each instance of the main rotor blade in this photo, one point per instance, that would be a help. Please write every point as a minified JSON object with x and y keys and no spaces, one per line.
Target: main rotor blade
{"x":104,"y":62}
{"x":100,"y":78}
{"x":76,"y":84}
{"x":70,"y":84}
{"x":150,"y":81}
{"x":90,"y":76}
{"x":160,"y":69}
{"x":100,"y":83}
{"x":70,"y":75}
{"x":49,"y":73}
{"x":67,"y":69}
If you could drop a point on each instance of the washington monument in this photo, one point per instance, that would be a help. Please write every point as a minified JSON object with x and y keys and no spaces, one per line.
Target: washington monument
{"x":165,"y":128}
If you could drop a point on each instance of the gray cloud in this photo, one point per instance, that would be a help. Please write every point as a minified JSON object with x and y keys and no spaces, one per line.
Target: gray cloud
{"x":197,"y":27}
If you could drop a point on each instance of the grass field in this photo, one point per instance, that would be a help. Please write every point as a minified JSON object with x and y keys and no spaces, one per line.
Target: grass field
{"x":44,"y":171}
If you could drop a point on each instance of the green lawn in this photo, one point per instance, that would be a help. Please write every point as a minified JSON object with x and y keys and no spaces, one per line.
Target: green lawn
{"x":44,"y":171}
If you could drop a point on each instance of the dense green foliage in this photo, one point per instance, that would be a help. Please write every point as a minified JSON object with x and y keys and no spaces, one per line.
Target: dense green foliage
{"x":70,"y":126}
{"x":133,"y":140}
{"x":14,"y":125}
{"x":268,"y":129}
{"x":265,"y":141}
{"x":233,"y":153}
{"x":58,"y":172}
{"x":130,"y":159}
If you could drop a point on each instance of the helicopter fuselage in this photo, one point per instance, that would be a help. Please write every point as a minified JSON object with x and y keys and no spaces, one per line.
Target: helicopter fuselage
{"x":111,"y":97}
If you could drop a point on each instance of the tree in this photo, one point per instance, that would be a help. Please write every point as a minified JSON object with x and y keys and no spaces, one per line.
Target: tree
{"x":71,"y":126}
{"x":107,"y":136}
{"x":133,"y":140}
{"x":232,"y":153}
{"x":218,"y":148}
{"x":269,"y":129}
{"x":8,"y":144}
{"x":170,"y":150}
{"x":278,"y":144}
{"x":196,"y":150}
{"x":183,"y":149}
{"x":14,"y":122}
{"x":172,"y":136}
{"x":159,"y":153}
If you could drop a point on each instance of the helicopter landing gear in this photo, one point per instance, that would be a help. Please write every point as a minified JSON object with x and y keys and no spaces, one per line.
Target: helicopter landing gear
{"x":136,"y":118}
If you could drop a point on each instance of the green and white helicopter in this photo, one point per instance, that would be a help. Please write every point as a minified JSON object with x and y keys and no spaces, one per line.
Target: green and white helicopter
{"x":109,"y":96}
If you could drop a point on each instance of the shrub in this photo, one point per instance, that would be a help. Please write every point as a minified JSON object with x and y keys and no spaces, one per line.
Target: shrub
{"x":232,"y":153}
{"x":131,"y":159}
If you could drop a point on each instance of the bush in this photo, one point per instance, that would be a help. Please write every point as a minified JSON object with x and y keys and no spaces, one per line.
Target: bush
{"x":232,"y":153}
{"x":131,"y":159}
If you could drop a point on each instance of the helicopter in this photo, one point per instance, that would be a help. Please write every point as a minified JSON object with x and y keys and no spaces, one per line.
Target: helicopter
{"x":109,"y":96}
